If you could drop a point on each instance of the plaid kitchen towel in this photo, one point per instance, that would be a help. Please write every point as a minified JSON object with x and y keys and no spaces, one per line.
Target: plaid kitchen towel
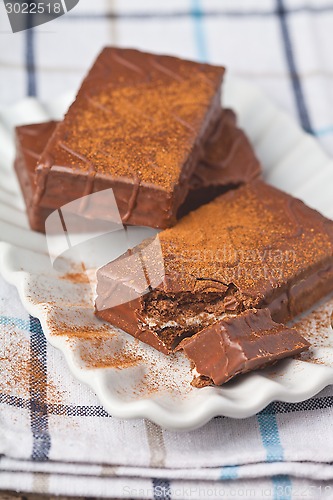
{"x":55,"y":438}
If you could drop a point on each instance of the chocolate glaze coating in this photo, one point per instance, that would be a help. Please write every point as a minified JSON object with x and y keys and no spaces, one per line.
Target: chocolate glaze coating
{"x":30,"y":143}
{"x":228,"y":162}
{"x":137,"y":125}
{"x":239,"y":344}
{"x":254,"y":247}
{"x":231,"y":162}
{"x":227,"y":150}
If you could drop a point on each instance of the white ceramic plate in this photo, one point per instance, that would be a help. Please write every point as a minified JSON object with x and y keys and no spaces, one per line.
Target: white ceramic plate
{"x":139,"y":381}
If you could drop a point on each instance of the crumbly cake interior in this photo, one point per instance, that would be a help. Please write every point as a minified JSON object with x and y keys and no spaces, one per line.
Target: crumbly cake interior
{"x":177,"y":316}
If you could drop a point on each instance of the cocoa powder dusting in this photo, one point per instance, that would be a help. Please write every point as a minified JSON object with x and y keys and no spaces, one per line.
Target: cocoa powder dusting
{"x":80,"y":331}
{"x":98,"y":345}
{"x":316,"y":327}
{"x":76,"y":277}
{"x":255,"y":237}
{"x":18,"y":372}
{"x":98,"y":354}
{"x":131,"y":133}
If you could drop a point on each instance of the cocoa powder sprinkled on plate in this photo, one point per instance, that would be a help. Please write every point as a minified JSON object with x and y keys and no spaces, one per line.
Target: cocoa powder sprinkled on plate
{"x":95,"y":354}
{"x":316,"y":327}
{"x":81,"y":332}
{"x":76,"y":277}
{"x":16,"y":370}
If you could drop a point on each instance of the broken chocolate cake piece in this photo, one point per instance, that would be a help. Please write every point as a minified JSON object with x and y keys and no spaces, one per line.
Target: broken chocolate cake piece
{"x":228,"y":161}
{"x":138,"y":126}
{"x":239,"y":344}
{"x":252,"y":248}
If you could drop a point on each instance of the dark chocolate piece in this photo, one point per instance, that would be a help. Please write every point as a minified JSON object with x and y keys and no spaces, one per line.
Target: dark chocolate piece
{"x":30,"y":143}
{"x":239,"y":344}
{"x":228,"y":161}
{"x":254,"y":247}
{"x":138,"y":126}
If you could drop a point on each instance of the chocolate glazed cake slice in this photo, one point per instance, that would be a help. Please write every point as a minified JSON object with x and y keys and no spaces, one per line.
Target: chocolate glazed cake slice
{"x":252,"y":248}
{"x":138,"y":126}
{"x":228,"y":161}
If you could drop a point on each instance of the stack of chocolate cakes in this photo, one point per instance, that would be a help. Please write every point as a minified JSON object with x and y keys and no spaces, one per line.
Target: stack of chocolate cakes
{"x":240,"y":258}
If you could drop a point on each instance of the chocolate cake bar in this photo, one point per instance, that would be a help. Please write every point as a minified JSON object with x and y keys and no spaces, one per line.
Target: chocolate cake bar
{"x":228,"y":161}
{"x":252,"y":248}
{"x":138,"y":125}
{"x":30,"y":143}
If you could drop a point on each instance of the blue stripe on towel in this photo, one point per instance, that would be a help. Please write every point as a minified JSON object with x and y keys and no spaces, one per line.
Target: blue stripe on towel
{"x":38,"y":393}
{"x":229,"y":472}
{"x":274,"y":453}
{"x":30,"y":66}
{"x":291,"y":61}
{"x":19,"y":323}
{"x":199,"y":33}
